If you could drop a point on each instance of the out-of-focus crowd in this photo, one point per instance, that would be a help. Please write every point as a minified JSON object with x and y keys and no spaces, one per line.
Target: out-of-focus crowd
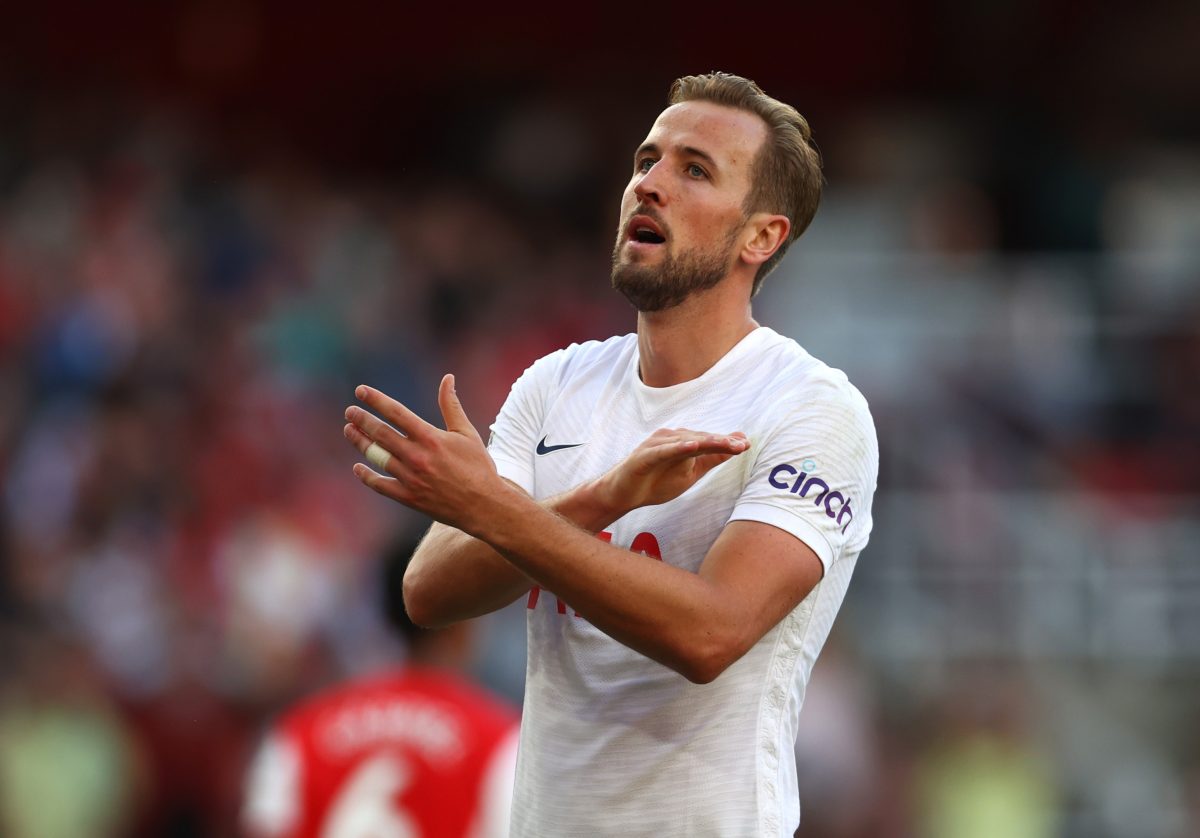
{"x":183,"y":549}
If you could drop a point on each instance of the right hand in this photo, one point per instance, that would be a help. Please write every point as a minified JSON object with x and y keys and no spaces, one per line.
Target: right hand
{"x":667,"y":464}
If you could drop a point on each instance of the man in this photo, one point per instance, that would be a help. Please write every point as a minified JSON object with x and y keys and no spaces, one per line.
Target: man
{"x":662,"y":689}
{"x":418,"y":751}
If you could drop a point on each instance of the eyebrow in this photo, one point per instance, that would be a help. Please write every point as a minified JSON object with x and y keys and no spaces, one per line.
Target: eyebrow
{"x":688,"y":151}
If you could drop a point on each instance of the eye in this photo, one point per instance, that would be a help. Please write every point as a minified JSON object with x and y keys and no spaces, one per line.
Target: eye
{"x":695,"y":170}
{"x":644,"y":165}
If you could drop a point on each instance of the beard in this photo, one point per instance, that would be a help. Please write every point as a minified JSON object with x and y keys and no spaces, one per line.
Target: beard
{"x":667,"y":284}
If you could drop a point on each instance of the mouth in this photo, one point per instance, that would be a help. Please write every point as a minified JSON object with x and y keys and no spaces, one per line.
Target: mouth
{"x":644,"y":230}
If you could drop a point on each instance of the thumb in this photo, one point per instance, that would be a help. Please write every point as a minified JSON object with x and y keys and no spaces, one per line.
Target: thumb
{"x":452,"y":410}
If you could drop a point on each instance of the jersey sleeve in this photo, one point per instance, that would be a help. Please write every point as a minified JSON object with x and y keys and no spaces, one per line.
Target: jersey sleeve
{"x":496,"y":791}
{"x":272,"y":805}
{"x":518,"y":427}
{"x":814,"y":474}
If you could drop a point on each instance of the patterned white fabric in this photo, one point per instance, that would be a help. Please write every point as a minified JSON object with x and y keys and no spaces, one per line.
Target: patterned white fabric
{"x":613,"y":743}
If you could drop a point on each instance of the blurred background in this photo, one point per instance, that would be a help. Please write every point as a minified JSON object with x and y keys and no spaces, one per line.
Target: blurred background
{"x":217,"y":218}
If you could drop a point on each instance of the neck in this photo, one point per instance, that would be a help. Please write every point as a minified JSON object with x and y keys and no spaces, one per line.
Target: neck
{"x":445,"y":648}
{"x":682,"y":343}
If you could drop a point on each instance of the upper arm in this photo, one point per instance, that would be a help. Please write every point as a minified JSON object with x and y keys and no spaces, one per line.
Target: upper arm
{"x":762,"y":573}
{"x":454,"y":576}
{"x":814,"y":475}
{"x":806,"y":504}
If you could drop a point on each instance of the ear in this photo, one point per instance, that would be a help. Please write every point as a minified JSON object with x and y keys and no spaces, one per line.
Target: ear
{"x":769,"y":232}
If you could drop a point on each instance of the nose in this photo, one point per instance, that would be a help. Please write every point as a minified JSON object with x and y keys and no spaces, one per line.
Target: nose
{"x":649,"y":188}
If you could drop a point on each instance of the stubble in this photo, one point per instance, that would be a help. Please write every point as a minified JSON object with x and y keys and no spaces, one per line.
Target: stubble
{"x":667,"y":284}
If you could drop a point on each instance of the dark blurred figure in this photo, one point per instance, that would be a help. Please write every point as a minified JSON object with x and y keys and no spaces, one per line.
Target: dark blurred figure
{"x":418,"y":750}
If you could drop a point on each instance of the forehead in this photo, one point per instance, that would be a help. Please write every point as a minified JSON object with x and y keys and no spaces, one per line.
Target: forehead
{"x":731,"y":136}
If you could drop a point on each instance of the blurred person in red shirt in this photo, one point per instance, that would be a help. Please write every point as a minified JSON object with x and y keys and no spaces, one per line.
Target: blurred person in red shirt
{"x":416,"y":751}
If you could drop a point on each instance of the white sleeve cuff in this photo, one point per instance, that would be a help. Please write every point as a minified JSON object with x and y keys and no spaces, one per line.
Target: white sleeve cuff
{"x":789,"y":522}
{"x":518,"y":472}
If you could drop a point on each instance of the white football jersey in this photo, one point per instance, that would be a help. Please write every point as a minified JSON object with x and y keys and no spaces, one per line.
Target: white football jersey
{"x":612,"y":742}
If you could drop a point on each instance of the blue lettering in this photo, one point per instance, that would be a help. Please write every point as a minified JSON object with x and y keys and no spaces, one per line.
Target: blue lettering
{"x":809,"y":485}
{"x":845,"y":510}
{"x":775,"y":472}
{"x":782,"y":473}
{"x":829,"y":500}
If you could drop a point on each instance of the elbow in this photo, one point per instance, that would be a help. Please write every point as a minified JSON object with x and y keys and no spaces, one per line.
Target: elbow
{"x":419,"y":603}
{"x":703,"y":663}
{"x":699,"y":674}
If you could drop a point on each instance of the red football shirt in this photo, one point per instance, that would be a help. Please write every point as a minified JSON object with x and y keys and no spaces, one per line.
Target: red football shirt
{"x":420,"y":752}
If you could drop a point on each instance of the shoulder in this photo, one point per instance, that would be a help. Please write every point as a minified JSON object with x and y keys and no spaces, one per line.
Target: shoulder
{"x":447,"y":699}
{"x":804,"y":385}
{"x":588,"y":355}
{"x":306,"y":712}
{"x":461,"y":692}
{"x":814,"y":405}
{"x":552,"y":373}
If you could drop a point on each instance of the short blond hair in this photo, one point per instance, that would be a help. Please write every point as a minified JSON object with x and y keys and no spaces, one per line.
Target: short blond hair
{"x":787,"y":171}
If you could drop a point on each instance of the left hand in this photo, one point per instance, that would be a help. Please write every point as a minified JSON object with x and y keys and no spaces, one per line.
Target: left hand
{"x":447,"y":475}
{"x":664,"y":466}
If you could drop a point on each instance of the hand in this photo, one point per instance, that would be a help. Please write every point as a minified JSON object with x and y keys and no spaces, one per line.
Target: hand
{"x":666,"y":465}
{"x":447,"y":475}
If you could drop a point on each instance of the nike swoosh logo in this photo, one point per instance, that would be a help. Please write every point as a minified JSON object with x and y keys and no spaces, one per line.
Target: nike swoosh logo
{"x":543,"y":448}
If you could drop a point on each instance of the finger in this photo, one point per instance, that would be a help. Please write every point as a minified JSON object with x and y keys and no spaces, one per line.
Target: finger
{"x":452,"y":410}
{"x":375,"y":454}
{"x":668,"y":453}
{"x":378,"y":456}
{"x":700,"y":445}
{"x":679,"y":434}
{"x":359,"y":439}
{"x":734,"y":443}
{"x":373,"y":429}
{"x":389,"y":487}
{"x":705,"y":464}
{"x":396,"y":414}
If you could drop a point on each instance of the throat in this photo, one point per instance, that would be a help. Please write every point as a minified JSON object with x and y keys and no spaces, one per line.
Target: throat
{"x":672,"y":350}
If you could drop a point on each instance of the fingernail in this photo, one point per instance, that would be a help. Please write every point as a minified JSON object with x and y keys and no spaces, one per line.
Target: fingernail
{"x":360,"y":392}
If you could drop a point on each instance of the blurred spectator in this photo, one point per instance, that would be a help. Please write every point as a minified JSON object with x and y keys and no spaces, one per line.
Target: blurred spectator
{"x":836,"y":758}
{"x":204,"y":248}
{"x":69,"y":766}
{"x":415,"y":750}
{"x":983,"y":776}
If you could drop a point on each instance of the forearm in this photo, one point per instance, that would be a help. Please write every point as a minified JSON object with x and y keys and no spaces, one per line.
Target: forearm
{"x":668,"y":614}
{"x":684,"y":620}
{"x":454,"y":576}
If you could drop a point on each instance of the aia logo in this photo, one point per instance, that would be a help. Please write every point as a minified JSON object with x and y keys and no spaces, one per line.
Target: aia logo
{"x":781,"y":477}
{"x":645,"y":543}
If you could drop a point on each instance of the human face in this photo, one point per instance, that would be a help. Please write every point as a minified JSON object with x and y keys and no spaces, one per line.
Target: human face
{"x":682,"y":214}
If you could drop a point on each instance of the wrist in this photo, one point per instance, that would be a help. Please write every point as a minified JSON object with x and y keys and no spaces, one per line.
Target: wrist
{"x":592,"y":505}
{"x":490,"y":509}
{"x":601,"y":496}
